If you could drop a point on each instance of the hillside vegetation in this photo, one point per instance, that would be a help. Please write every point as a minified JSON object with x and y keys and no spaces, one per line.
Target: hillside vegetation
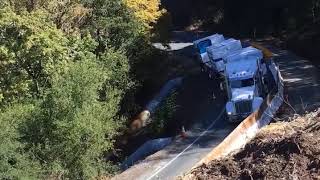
{"x":69,"y":74}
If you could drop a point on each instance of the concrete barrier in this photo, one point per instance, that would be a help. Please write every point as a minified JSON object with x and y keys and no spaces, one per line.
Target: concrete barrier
{"x":249,"y":127}
{"x":145,"y":150}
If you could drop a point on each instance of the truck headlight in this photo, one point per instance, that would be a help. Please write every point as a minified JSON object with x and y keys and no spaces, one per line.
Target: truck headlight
{"x":230,"y":108}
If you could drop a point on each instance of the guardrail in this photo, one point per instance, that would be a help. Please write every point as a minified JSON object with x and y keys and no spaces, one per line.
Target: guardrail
{"x":248,"y":128}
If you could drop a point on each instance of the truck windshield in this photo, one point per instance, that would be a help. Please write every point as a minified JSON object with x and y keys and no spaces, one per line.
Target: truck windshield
{"x":242,"y":83}
{"x":202,"y":46}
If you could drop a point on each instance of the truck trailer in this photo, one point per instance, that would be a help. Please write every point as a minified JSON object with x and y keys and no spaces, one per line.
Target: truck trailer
{"x":242,"y":71}
{"x":201,"y":49}
{"x":218,"y":52}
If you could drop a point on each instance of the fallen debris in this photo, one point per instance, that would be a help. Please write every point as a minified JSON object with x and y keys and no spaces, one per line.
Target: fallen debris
{"x":283,"y":150}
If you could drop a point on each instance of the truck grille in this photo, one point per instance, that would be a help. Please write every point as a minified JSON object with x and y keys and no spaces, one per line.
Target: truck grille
{"x":243,"y":107}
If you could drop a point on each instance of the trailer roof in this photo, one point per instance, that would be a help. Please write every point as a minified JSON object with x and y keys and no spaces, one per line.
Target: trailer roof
{"x":213,"y":38}
{"x":242,"y":68}
{"x":224,"y":48}
{"x":245,"y":53}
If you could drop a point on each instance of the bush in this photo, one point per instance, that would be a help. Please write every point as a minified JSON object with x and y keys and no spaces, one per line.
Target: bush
{"x":15,"y":162}
{"x":164,"y":114}
{"x":71,"y":128}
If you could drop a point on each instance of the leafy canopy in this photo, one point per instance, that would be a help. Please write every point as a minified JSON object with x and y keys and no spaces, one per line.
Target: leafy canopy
{"x":147,"y":11}
{"x":31,"y":50}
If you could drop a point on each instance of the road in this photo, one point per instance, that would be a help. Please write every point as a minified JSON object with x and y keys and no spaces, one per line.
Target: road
{"x":179,"y":157}
{"x":302,"y":81}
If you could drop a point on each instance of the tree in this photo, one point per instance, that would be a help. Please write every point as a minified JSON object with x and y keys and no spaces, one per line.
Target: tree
{"x":31,"y":49}
{"x":147,"y":11}
{"x":72,"y":128}
{"x":70,"y":66}
{"x":68,"y":15}
{"x":75,"y":94}
{"x":16,"y":163}
{"x":112,"y":25}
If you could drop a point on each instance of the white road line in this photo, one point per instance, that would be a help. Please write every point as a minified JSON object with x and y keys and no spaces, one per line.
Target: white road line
{"x":202,"y":134}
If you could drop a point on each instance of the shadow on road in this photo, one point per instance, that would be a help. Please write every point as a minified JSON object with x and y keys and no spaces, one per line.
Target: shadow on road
{"x":302,"y":80}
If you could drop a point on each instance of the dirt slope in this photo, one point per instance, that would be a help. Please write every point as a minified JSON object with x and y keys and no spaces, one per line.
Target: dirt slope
{"x":287,"y":150}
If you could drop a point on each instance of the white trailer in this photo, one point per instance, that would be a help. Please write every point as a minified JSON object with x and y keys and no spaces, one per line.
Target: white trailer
{"x":219,"y":51}
{"x":244,"y":53}
{"x":201,"y":49}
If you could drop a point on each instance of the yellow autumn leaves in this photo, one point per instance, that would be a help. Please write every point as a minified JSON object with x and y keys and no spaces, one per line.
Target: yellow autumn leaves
{"x":148,"y":11}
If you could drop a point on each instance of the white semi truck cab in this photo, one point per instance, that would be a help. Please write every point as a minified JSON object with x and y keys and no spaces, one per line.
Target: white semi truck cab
{"x":243,"y":78}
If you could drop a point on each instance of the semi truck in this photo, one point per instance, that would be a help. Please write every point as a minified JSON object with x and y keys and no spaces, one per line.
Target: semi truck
{"x":244,"y":71}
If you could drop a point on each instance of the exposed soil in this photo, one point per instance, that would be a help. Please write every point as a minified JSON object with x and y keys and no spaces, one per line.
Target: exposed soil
{"x":286,"y":150}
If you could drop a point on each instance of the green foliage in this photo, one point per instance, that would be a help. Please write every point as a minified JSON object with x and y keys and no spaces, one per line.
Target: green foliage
{"x":164,"y":114}
{"x":72,"y":128}
{"x":117,"y":64}
{"x":76,"y":96}
{"x":68,"y":76}
{"x":119,"y":79}
{"x":4,"y":4}
{"x":15,"y":162}
{"x":31,"y":49}
{"x":112,"y":24}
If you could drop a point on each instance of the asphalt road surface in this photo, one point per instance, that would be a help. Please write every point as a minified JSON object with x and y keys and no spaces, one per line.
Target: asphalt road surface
{"x":179,"y":157}
{"x":301,"y":78}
